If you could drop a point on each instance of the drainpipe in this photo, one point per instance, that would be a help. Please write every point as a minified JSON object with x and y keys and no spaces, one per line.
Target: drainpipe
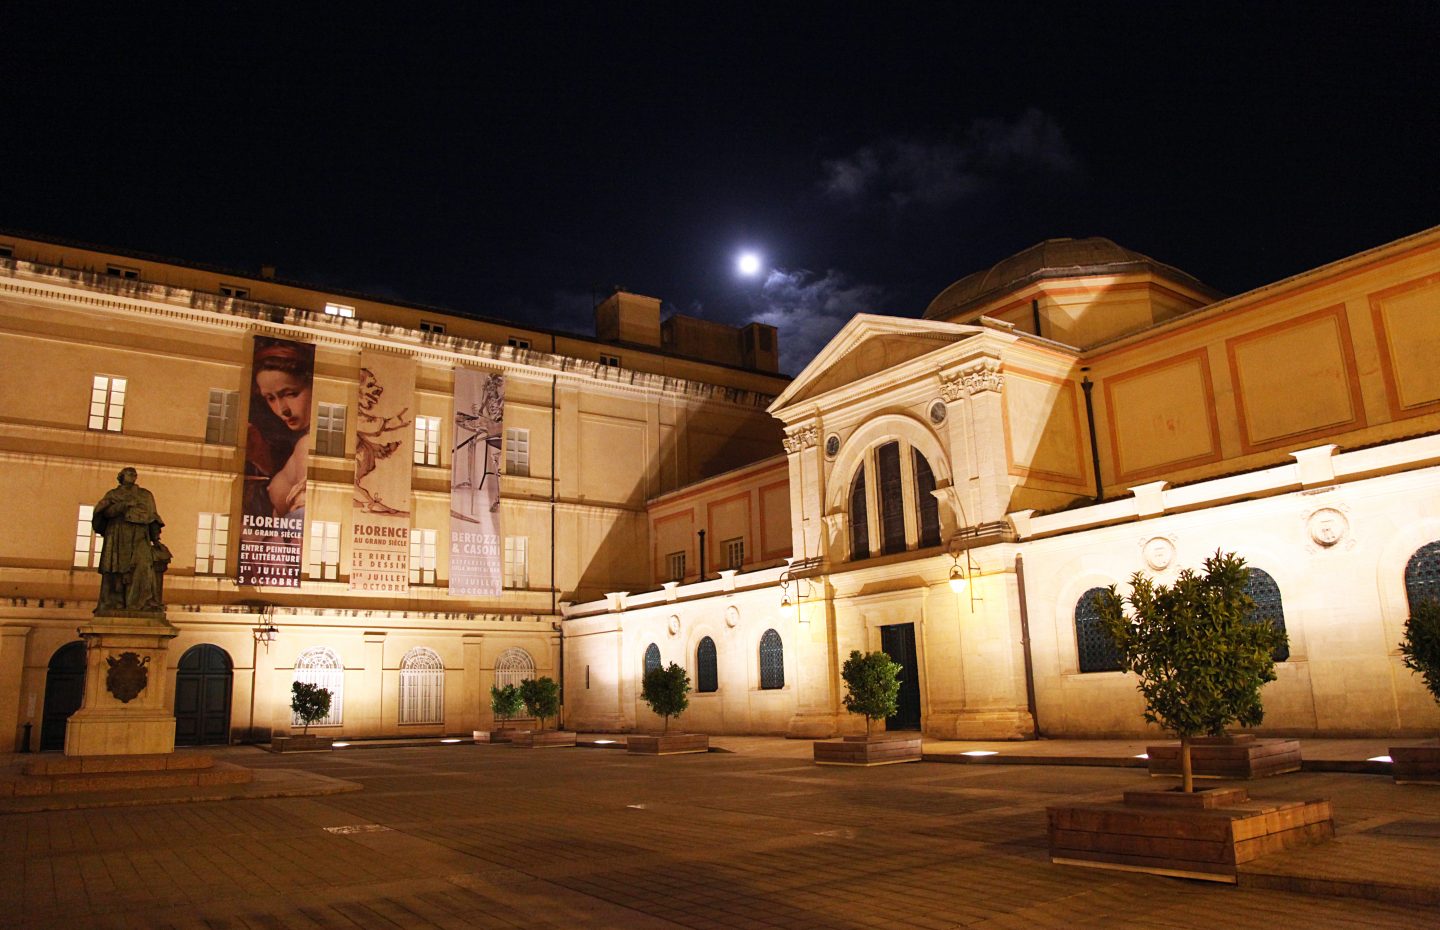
{"x":1089,"y":386}
{"x":559,"y":627}
{"x":1035,"y":315}
{"x":702,"y":556}
{"x":1025,"y":647}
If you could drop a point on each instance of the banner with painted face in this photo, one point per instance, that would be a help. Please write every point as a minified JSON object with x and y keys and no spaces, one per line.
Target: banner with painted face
{"x":384,"y":450}
{"x":475,"y":559}
{"x":277,"y":453}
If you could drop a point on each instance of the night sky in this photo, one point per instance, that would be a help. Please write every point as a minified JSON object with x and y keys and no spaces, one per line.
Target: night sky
{"x":508,"y":160}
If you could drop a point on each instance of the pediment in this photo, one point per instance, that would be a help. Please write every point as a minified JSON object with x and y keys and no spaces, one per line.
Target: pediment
{"x":867,"y":346}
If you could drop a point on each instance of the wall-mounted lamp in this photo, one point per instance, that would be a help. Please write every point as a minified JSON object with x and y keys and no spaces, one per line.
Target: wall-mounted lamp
{"x":793,"y":578}
{"x":960,"y":578}
{"x":264,"y":631}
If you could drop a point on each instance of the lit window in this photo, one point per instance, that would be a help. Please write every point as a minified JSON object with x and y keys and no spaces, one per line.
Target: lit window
{"x":107,"y":403}
{"x":610,"y":361}
{"x":515,"y":342}
{"x":427,"y":440}
{"x":122,"y":272}
{"x":340,"y":310}
{"x":429,"y":326}
{"x":517,"y":451}
{"x":734,"y":550}
{"x":675,"y":566}
{"x":234,"y":292}
{"x":87,"y":541}
{"x":330,"y":430}
{"x":222,"y":416}
{"x":422,"y":687}
{"x":513,"y":666}
{"x":324,"y":550}
{"x":320,"y":666}
{"x":7,"y":251}
{"x":422,"y":556}
{"x":212,"y":540}
{"x":516,"y":565}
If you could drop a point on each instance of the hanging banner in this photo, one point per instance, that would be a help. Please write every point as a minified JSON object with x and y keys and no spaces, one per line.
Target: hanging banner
{"x":277,"y":452}
{"x":475,"y":563}
{"x":384,"y":448}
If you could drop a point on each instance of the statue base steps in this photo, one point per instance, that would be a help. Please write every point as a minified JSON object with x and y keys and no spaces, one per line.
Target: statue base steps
{"x":74,"y":774}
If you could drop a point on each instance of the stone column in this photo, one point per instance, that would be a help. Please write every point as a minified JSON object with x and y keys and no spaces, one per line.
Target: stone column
{"x":124,"y":710}
{"x":13,"y":641}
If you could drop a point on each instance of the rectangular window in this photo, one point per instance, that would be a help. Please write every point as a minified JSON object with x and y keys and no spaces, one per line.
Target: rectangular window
{"x":429,"y":326}
{"x":517,"y":451}
{"x":422,"y":556}
{"x":675,"y":566}
{"x":7,"y":251}
{"x":87,"y":541}
{"x":515,"y":342}
{"x":516,"y":565}
{"x":427,"y":440}
{"x":610,"y":361}
{"x":330,"y":430}
{"x":734,"y":550}
{"x":212,"y":541}
{"x":122,"y":272}
{"x":340,"y":310}
{"x":324,"y":550}
{"x":234,"y":292}
{"x":222,"y":416}
{"x":107,"y":403}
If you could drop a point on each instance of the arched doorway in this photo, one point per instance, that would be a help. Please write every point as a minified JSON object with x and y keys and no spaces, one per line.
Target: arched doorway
{"x":64,"y":693}
{"x":202,"y":696}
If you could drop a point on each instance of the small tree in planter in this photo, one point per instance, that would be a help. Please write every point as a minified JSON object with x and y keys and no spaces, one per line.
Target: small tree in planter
{"x":541,"y":697}
{"x":1200,"y":658}
{"x":505,"y":702}
{"x":666,"y":690}
{"x":1421,"y":645}
{"x":309,"y":702}
{"x":872,"y":686}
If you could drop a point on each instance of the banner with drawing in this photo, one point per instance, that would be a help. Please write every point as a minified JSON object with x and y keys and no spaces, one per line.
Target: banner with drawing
{"x":475,"y":560}
{"x":384,"y":450}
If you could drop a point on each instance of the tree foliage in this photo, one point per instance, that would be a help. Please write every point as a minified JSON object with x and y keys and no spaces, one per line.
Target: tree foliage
{"x":505,"y":702}
{"x":1200,"y":656}
{"x":666,"y":690}
{"x":309,"y":702}
{"x":541,"y":697}
{"x":1421,"y":645}
{"x":872,"y":685}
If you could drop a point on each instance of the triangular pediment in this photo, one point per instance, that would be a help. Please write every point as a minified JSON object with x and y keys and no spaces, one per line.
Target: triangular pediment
{"x":869,"y":345}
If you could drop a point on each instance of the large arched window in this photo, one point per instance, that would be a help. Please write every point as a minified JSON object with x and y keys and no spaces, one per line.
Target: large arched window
{"x":772,"y":661}
{"x":422,"y":687}
{"x":927,"y":508}
{"x":513,"y":666}
{"x":893,"y":506}
{"x":1422,"y":575}
{"x":1266,"y":594}
{"x":892,"y":498}
{"x":319,"y":665}
{"x":707,"y":676}
{"x":652,"y":657}
{"x":1096,"y":648}
{"x":859,"y":518}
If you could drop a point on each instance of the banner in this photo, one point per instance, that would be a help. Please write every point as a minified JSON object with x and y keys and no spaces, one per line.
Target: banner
{"x":277,"y":452}
{"x":475,"y":563}
{"x":384,"y":449}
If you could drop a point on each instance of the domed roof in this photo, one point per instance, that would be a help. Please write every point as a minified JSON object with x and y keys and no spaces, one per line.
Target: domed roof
{"x":1053,"y":258}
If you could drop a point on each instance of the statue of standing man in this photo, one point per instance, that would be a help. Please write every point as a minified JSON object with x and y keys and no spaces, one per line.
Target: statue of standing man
{"x":127,"y":518}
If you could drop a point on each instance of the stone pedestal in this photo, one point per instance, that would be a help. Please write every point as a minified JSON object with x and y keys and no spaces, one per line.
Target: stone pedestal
{"x":124,"y":711}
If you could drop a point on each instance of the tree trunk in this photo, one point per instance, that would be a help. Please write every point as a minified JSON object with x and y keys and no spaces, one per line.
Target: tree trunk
{"x":867,"y":726}
{"x":666,"y":728}
{"x":1187,"y":774}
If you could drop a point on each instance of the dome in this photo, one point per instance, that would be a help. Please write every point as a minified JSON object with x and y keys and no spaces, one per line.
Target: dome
{"x":1053,"y":258}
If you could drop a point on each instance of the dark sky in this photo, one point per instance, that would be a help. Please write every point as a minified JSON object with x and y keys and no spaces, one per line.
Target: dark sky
{"x":506,"y":159}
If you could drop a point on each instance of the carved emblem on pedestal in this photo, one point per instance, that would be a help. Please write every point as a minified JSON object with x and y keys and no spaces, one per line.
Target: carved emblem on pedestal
{"x":127,"y":676}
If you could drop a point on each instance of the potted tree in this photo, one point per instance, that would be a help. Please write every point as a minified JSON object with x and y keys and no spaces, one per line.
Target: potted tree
{"x":505,"y":703}
{"x":1421,"y":649}
{"x":310,"y":703}
{"x":872,"y":689}
{"x":1201,"y":662}
{"x":667,"y":691}
{"x":541,"y":697}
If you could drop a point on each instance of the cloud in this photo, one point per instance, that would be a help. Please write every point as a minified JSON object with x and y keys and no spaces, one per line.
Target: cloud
{"x":810,"y":309}
{"x":903,"y":173}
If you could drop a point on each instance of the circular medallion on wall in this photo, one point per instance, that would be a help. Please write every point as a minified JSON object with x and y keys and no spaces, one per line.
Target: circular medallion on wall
{"x":674,"y":625}
{"x":832,"y":446}
{"x":1327,"y":526}
{"x":732,"y":616}
{"x":1158,"y":552}
{"x":937,"y":412}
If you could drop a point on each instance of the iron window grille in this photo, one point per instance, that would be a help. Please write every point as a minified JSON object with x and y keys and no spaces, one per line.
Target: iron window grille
{"x":1096,"y":648}
{"x":772,"y":661}
{"x":707,"y":675}
{"x":1422,"y":575}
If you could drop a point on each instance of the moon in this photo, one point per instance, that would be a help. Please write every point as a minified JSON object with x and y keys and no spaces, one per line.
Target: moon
{"x":748,"y":264}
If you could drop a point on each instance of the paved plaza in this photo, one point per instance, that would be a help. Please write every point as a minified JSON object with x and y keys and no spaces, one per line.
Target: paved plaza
{"x":755,"y":837}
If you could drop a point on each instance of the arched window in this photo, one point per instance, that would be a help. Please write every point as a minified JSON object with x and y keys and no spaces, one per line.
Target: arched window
{"x":1266,"y":594}
{"x":707,"y":678}
{"x":859,"y":518}
{"x":319,"y":665}
{"x":1422,"y":575}
{"x":926,"y":506}
{"x":652,"y":657}
{"x":513,"y":666}
{"x":772,"y":661}
{"x":892,"y":498}
{"x":422,"y":687}
{"x":1096,"y":648}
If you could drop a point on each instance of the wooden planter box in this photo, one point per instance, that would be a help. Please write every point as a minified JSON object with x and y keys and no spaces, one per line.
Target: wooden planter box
{"x":1416,"y":765}
{"x":882,"y":749}
{"x":1241,"y":756}
{"x":542,"y":739}
{"x":669,"y":744}
{"x":1204,"y":835}
{"x":309,"y":743}
{"x":499,"y":735}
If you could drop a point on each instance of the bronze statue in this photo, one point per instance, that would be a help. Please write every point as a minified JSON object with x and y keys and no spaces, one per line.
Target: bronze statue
{"x":127,"y":518}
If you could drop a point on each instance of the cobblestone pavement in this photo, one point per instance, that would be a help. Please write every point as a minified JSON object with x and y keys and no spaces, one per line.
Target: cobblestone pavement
{"x":491,"y":836}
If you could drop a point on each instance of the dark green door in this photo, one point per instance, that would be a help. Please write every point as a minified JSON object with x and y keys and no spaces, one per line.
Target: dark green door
{"x":64,"y":693}
{"x":202,"y":697}
{"x":898,"y":642}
